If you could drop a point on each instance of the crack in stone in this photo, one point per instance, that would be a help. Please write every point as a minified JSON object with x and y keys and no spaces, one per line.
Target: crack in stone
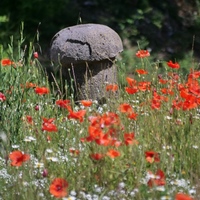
{"x":82,"y":43}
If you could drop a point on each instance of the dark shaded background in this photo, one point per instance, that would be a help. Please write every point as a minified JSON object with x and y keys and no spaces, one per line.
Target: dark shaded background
{"x":167,"y":27}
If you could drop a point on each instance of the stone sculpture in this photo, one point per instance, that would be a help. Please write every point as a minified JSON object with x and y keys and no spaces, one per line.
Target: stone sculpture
{"x":87,"y":55}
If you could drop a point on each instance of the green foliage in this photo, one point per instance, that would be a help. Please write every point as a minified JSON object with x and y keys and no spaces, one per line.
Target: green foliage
{"x":45,"y":17}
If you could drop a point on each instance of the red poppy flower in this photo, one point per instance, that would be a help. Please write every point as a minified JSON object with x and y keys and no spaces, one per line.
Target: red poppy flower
{"x":158,"y":180}
{"x":192,"y":82}
{"x":173,"y":65}
{"x":131,"y":90}
{"x":158,"y":97}
{"x":142,"y":53}
{"x":48,"y":125}
{"x":156,"y":100}
{"x":195,"y":89}
{"x":50,"y":120}
{"x":77,"y":115}
{"x":141,"y":71}
{"x":194,"y":74}
{"x":177,"y":104}
{"x":167,"y":91}
{"x":41,"y":90}
{"x":132,"y":115}
{"x":129,"y":139}
{"x":112,"y":87}
{"x":198,"y":101}
{"x":181,"y":196}
{"x":162,"y":81}
{"x":113,"y":153}
{"x":125,"y":108}
{"x":181,"y":87}
{"x":104,"y":140}
{"x":6,"y":62}
{"x":144,"y":85}
{"x":17,"y":158}
{"x":152,"y":156}
{"x":58,"y":187}
{"x":2,"y":97}
{"x":155,"y":104}
{"x":131,"y":82}
{"x":110,"y":118}
{"x":185,"y":94}
{"x":96,"y":156}
{"x":95,"y":132}
{"x":63,"y":103}
{"x":190,"y":104}
{"x":86,"y":103}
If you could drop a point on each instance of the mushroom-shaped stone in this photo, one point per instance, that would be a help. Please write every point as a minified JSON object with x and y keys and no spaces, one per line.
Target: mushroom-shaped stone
{"x":87,"y":53}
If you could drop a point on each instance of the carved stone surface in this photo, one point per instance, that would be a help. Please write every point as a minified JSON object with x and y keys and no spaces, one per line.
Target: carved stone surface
{"x":89,"y":51}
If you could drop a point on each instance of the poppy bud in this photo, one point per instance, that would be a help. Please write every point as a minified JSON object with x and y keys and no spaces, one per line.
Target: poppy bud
{"x":45,"y":173}
{"x":35,"y":54}
{"x":37,"y":107}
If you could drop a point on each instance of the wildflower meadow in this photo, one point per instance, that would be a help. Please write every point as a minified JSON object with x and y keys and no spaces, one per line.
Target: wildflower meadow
{"x":142,"y":145}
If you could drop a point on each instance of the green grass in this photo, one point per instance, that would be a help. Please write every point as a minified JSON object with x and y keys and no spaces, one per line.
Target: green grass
{"x":172,"y":133}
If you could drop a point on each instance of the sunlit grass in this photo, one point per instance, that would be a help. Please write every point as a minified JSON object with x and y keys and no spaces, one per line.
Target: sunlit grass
{"x":99,"y":150}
